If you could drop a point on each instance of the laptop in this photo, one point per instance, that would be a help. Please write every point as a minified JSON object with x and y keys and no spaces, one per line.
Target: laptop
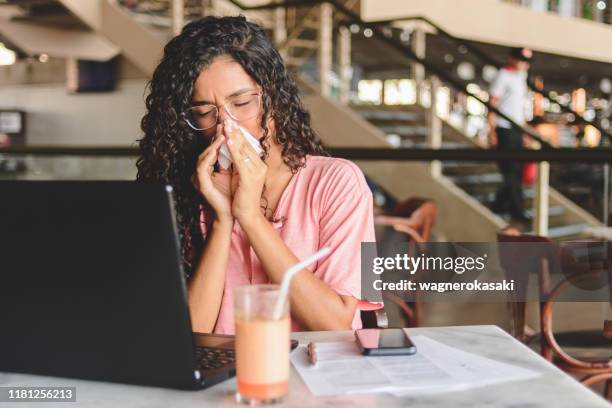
{"x":92,"y":287}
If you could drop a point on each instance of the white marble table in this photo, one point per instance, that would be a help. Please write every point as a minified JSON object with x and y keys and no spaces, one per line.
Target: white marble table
{"x":553,"y":389}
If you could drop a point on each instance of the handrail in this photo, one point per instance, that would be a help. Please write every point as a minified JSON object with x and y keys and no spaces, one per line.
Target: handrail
{"x":566,"y":155}
{"x":474,"y":51}
{"x":492,"y":61}
{"x":354,"y":18}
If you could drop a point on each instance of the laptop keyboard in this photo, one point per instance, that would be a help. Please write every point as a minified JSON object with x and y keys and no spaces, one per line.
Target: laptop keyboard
{"x":211,"y":358}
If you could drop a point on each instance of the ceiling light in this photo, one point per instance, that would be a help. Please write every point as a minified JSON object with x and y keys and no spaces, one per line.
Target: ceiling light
{"x":465,"y":71}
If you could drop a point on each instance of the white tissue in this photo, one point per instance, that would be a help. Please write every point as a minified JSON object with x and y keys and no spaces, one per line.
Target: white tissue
{"x":225,"y":158}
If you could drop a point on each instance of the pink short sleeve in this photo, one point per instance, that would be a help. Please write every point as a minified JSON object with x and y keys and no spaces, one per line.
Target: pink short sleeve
{"x":346,"y":220}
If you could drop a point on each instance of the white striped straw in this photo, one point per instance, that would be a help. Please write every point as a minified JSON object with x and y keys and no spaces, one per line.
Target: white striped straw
{"x":284,"y":288}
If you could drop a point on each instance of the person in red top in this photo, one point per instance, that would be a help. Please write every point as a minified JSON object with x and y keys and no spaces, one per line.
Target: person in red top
{"x":249,"y":223}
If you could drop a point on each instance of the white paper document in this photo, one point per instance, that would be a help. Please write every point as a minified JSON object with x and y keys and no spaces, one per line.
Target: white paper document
{"x":436,"y":367}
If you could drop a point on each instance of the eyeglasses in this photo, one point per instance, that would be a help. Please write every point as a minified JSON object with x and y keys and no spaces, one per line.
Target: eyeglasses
{"x":240,"y":107}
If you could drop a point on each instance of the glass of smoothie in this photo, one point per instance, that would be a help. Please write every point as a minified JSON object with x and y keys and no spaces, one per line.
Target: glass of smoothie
{"x":262,"y":345}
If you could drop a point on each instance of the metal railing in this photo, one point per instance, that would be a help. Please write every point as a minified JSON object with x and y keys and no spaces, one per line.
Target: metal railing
{"x":377,"y":32}
{"x":488,"y":59}
{"x":559,"y":155}
{"x":350,"y":17}
{"x":353,"y":18}
{"x":542,"y":157}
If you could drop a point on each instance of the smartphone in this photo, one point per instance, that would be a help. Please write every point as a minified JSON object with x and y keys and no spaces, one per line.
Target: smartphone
{"x":384,"y":342}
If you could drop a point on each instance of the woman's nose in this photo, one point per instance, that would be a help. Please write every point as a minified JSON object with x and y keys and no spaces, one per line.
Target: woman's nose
{"x":222,"y":115}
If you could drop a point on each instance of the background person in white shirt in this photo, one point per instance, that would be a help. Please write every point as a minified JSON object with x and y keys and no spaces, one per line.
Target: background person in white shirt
{"x":509,"y":94}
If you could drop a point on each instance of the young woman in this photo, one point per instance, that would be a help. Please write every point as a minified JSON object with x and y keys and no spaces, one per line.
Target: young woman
{"x":249,"y":223}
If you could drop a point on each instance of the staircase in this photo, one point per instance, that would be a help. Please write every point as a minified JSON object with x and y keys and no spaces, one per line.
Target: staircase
{"x":477,"y":179}
{"x":301,"y":42}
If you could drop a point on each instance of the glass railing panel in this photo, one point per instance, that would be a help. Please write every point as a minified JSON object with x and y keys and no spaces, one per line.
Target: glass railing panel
{"x":586,"y":184}
{"x":585,"y":218}
{"x":389,"y":83}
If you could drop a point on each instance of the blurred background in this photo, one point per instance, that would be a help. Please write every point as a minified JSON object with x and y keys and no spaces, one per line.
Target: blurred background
{"x":378,"y":76}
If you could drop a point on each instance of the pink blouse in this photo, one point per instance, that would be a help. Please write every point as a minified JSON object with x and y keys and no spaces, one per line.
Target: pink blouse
{"x":326,"y":203}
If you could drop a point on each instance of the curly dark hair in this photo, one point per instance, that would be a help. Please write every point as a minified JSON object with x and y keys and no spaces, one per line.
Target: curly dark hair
{"x":170,"y":148}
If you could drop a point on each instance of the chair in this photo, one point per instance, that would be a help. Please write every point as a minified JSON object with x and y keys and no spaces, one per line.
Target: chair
{"x":373,"y":315}
{"x":593,"y":370}
{"x":413,"y":219}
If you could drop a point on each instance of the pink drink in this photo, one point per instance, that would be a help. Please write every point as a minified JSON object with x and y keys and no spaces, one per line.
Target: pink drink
{"x":262,"y":345}
{"x":262,"y":358}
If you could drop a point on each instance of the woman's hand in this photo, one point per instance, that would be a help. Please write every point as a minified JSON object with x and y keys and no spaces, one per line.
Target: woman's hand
{"x":214,"y":186}
{"x":248,"y":178}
